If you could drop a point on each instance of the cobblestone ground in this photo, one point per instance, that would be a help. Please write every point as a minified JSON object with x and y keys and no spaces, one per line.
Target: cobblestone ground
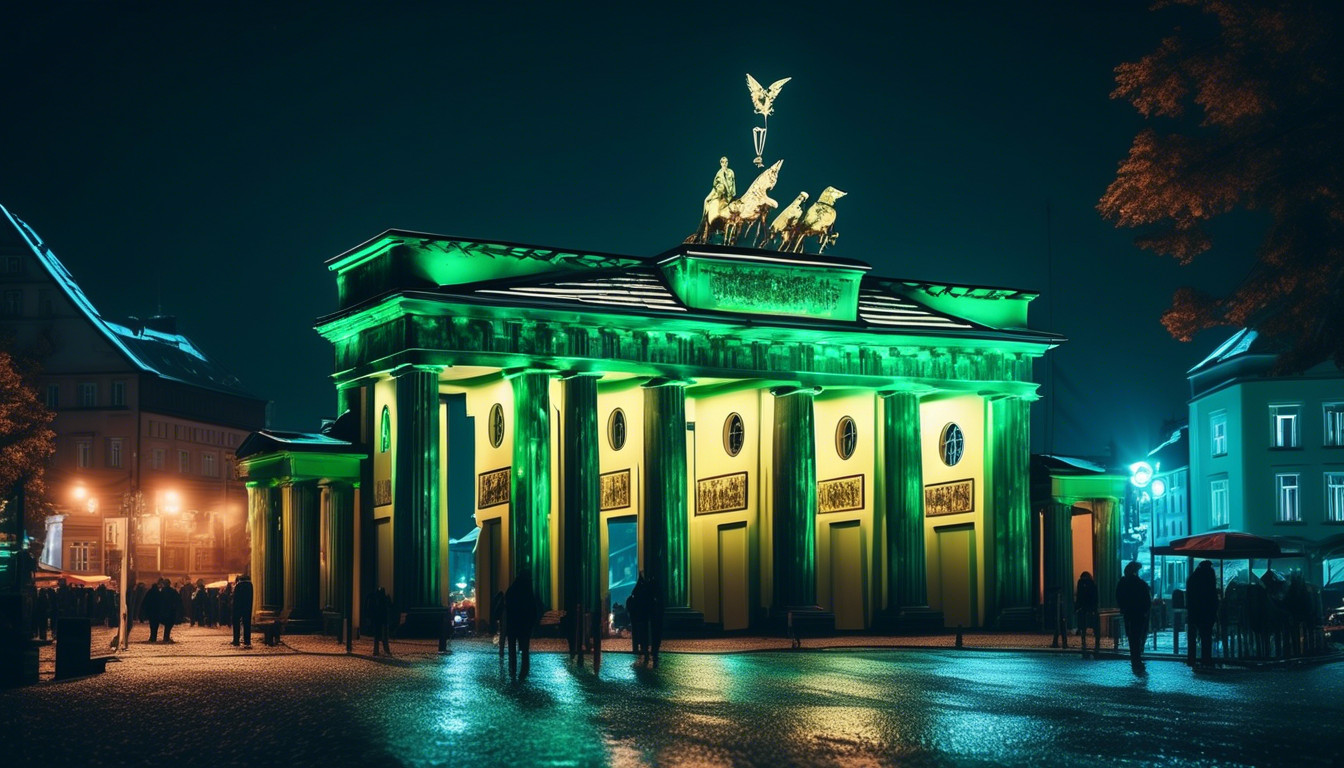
{"x":200,"y":701}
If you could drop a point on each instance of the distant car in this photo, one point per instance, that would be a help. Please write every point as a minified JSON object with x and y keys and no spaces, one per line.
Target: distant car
{"x":1334,"y":623}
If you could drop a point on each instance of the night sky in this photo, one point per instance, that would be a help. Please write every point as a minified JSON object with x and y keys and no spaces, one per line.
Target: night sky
{"x":207,"y":158}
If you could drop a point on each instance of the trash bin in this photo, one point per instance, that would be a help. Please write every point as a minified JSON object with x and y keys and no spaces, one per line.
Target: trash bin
{"x":73,"y":639}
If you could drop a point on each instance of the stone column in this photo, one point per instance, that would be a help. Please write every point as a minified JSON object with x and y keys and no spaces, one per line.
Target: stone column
{"x":272,"y":596}
{"x":666,"y":515}
{"x":1058,"y":559}
{"x":301,"y":550}
{"x":1010,"y":482}
{"x":415,"y":496}
{"x":1106,"y":524}
{"x":580,"y":479}
{"x":794,"y":500}
{"x":903,"y":513}
{"x":258,"y":506}
{"x":339,"y":545}
{"x":530,"y":489}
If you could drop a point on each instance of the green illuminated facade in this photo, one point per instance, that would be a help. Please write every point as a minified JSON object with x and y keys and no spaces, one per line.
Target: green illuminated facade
{"x":789,"y":432}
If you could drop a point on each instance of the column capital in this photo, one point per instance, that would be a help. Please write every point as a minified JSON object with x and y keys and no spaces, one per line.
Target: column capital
{"x":659,"y":381}
{"x":917,"y":390}
{"x":512,"y":373}
{"x":567,"y":375}
{"x":787,"y":391}
{"x":402,"y":370}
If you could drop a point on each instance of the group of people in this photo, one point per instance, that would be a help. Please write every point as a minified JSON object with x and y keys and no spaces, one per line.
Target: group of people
{"x":516,"y":613}
{"x":1135,"y":600}
{"x":645,"y":610}
{"x":51,"y":604}
{"x":164,"y":605}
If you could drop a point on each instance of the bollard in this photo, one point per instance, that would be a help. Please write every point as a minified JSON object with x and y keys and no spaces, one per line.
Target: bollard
{"x":72,"y":648}
{"x":958,"y":635}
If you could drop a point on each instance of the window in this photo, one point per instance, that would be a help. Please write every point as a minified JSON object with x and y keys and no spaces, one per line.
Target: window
{"x":1334,"y":497}
{"x":1334,"y":423}
{"x":846,"y":437}
{"x":156,"y":459}
{"x":1283,"y":421}
{"x":80,"y":554}
{"x":209,"y":467}
{"x":53,"y":396}
{"x":118,"y":393}
{"x":12,"y":304}
{"x":1218,"y":434}
{"x":1289,"y":511}
{"x":184,"y":462}
{"x":385,"y":430}
{"x":88,"y":394}
{"x":734,"y":434}
{"x":84,"y":454}
{"x":114,"y":452}
{"x":1218,"y":504}
{"x":496,"y":425}
{"x":616,"y":429}
{"x":951,"y":444}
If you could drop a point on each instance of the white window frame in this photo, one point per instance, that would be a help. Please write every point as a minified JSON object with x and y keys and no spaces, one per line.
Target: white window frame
{"x":1218,"y":434}
{"x":88,"y":394}
{"x":1333,"y":415}
{"x":1219,"y":503}
{"x":184,"y":462}
{"x":84,"y":453}
{"x":1284,"y":425}
{"x":209,"y":464}
{"x":1287,"y":492}
{"x":81,"y":553}
{"x":114,"y":459}
{"x":156,"y":459}
{"x":1334,"y":497}
{"x":118,"y":393}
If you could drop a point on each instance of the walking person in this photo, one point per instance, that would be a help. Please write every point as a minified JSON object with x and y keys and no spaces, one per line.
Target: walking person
{"x":637,"y":606}
{"x":1085,"y":605}
{"x":377,"y":609}
{"x":520,"y":608}
{"x":170,"y":609}
{"x":499,"y":619}
{"x":1055,"y":602}
{"x":1135,"y":600}
{"x":150,"y":610}
{"x":654,"y":604}
{"x":241,"y":616}
{"x":1201,"y":599}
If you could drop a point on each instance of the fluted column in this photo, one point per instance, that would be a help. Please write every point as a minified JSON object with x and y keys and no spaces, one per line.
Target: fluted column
{"x":1106,"y":551}
{"x":903,"y":503}
{"x":529,"y":529}
{"x":1010,"y":475}
{"x":666,"y":524}
{"x":301,"y":550}
{"x":339,"y":546}
{"x":1058,"y":557}
{"x":794,"y":499}
{"x":273,"y":571}
{"x":258,"y":519}
{"x":415,"y":483}
{"x":580,"y":480}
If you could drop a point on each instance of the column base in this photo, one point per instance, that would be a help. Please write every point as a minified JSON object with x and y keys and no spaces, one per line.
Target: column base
{"x":423,"y":622}
{"x":1017,"y":619}
{"x":681,"y":621}
{"x":803,"y":621}
{"x":910,"y":620}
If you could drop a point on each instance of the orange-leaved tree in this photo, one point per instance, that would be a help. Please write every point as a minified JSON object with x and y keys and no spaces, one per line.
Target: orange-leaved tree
{"x":1246,"y":112}
{"x":26,"y":442}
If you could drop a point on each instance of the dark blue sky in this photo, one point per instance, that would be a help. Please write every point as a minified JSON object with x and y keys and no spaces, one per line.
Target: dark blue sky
{"x":208,"y":157}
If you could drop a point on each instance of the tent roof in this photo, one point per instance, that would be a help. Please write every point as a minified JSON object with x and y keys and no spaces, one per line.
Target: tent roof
{"x":1224,"y":545}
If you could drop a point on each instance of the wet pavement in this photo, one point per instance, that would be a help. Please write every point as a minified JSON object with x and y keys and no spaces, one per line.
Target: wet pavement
{"x":306,"y":703}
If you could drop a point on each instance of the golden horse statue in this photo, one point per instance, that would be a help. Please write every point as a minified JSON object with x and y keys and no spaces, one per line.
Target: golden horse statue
{"x":738,"y":217}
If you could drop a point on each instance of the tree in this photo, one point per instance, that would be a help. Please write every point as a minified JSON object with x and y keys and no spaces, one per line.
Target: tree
{"x":26,"y":442}
{"x":1247,"y":112}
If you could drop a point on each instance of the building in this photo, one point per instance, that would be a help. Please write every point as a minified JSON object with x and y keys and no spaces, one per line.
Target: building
{"x":1077,"y":527}
{"x":1267,"y":452}
{"x":764,"y":433}
{"x":1160,"y":490}
{"x":145,"y":423}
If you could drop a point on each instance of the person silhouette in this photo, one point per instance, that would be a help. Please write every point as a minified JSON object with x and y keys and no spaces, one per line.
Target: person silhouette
{"x":1085,"y":605}
{"x":520,"y":608}
{"x":1201,"y":599}
{"x":1135,"y":600}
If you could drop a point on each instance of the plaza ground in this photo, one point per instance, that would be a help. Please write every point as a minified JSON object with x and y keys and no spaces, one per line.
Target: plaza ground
{"x":307,"y":703}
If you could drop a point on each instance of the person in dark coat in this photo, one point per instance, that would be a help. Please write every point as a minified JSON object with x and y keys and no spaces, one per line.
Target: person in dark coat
{"x":42,"y":612}
{"x":1135,"y":600}
{"x":638,"y":609}
{"x":654,"y":604}
{"x":498,"y":619}
{"x":1201,"y":601}
{"x":170,"y":609}
{"x":137,"y":597}
{"x":241,"y":603}
{"x":1085,"y":605}
{"x":520,"y":606}
{"x":376,"y":616}
{"x":150,"y":609}
{"x":1055,"y":615}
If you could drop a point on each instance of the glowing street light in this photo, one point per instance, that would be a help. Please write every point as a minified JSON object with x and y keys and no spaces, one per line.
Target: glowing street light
{"x":172,"y":502}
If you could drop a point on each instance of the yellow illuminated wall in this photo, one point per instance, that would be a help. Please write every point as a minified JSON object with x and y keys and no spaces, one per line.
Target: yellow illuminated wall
{"x":846,"y":557}
{"x":968,"y":412}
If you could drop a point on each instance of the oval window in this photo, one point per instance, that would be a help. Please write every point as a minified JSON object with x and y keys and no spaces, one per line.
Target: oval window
{"x":616,"y":429}
{"x":496,"y":425}
{"x":846,"y":437}
{"x":734,"y":434}
{"x":951,"y":444}
{"x":385,"y":431}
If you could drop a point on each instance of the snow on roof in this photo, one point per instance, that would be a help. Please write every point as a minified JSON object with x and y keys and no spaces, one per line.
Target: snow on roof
{"x":170,"y":356}
{"x":1238,"y":344}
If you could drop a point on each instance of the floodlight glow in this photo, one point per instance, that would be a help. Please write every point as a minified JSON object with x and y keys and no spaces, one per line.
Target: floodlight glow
{"x":79,"y":492}
{"x":1140,"y":474}
{"x":1159,"y":488}
{"x":172,"y":503}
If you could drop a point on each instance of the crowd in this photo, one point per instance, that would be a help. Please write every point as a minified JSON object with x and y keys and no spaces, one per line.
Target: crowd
{"x":160,"y":604}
